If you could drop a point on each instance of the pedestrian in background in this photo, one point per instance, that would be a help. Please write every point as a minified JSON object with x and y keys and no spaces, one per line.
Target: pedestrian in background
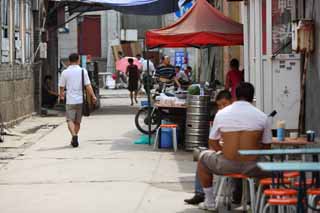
{"x":234,"y":77}
{"x":49,"y":96}
{"x":166,"y":72}
{"x":134,"y":75}
{"x":147,"y":77}
{"x":71,"y":80}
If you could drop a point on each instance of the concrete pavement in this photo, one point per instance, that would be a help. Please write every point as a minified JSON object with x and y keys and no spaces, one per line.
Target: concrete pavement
{"x":107,"y":173}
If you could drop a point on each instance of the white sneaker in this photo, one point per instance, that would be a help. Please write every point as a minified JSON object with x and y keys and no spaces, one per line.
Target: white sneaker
{"x":208,"y":207}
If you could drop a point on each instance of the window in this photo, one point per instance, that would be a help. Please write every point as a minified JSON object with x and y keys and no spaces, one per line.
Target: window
{"x":281,"y":26}
{"x":17,"y":13}
{"x":17,"y":36}
{"x":4,"y":32}
{"x":21,"y":33}
{"x":28,"y":47}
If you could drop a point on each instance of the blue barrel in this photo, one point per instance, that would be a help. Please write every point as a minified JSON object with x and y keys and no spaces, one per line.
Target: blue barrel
{"x":166,"y":138}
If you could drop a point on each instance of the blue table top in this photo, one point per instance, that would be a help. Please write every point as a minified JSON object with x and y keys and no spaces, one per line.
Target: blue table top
{"x":280,"y":151}
{"x":290,"y":166}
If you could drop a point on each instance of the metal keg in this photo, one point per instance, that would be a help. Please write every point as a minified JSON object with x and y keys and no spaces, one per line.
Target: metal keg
{"x":198,"y":121}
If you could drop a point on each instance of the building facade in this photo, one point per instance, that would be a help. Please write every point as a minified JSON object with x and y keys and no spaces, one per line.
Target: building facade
{"x":274,"y":67}
{"x":17,"y":59}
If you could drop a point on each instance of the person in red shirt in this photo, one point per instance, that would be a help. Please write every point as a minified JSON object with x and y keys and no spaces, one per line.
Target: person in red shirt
{"x":234,"y":77}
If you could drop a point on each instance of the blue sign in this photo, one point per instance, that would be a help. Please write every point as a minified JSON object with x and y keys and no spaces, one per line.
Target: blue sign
{"x":84,"y":61}
{"x":180,"y":58}
{"x":184,"y":9}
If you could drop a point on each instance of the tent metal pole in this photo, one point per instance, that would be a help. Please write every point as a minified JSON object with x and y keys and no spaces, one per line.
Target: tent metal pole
{"x":200,"y":66}
{"x":149,"y":98}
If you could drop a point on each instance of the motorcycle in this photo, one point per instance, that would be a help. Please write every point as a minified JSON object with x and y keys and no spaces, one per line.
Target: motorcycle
{"x":142,"y":118}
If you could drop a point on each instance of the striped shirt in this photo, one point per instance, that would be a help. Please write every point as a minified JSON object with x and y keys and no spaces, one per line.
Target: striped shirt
{"x":164,"y":71}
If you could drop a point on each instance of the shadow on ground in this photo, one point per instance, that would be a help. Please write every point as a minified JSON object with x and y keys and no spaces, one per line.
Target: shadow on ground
{"x":56,"y":148}
{"x":116,"y":110}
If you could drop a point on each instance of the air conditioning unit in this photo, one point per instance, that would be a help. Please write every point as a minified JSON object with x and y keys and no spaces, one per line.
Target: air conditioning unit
{"x":35,"y":5}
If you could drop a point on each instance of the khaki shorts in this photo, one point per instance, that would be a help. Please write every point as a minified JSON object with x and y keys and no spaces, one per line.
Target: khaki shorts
{"x":217,"y":164}
{"x":74,"y":112}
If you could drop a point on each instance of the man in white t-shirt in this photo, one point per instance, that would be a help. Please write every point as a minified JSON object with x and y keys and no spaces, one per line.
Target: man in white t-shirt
{"x":140,"y":58}
{"x":152,"y":69}
{"x":240,"y":126}
{"x":71,"y":80}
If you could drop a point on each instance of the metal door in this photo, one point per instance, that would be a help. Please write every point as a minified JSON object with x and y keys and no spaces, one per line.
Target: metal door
{"x":89,"y":36}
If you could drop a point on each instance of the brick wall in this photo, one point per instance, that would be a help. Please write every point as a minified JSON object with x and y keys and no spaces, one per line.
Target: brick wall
{"x":16,"y":92}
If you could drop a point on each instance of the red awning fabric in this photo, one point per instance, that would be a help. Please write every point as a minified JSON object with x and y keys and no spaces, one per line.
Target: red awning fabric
{"x":202,"y":26}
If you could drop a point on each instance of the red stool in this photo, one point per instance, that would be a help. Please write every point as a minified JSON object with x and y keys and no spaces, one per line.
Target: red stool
{"x":280,"y":192}
{"x":291,"y":175}
{"x":245,"y":181}
{"x":276,"y":193}
{"x":309,"y":182}
{"x":313,"y":193}
{"x":267,"y":182}
{"x":289,"y":203}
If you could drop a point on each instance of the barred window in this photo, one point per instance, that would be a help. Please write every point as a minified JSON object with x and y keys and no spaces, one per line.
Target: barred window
{"x":28,"y":40}
{"x":4,"y":53}
{"x":17,"y":35}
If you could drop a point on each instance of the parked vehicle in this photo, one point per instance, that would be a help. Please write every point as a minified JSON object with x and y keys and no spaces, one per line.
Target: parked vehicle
{"x":142,"y":118}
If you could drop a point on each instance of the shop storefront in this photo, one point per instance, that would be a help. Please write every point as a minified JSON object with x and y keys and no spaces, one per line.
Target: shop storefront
{"x":271,"y":64}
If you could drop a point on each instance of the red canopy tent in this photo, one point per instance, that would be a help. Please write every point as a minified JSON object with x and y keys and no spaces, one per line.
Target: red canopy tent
{"x":202,"y":26}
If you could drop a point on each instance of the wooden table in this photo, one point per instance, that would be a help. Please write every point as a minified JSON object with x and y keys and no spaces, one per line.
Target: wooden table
{"x":302,"y":167}
{"x":291,"y":142}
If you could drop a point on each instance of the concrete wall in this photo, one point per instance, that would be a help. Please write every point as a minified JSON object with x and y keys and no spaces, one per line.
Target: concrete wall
{"x":113,"y":37}
{"x":142,"y":23}
{"x":313,"y":75}
{"x":16,"y":92}
{"x":68,"y":42}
